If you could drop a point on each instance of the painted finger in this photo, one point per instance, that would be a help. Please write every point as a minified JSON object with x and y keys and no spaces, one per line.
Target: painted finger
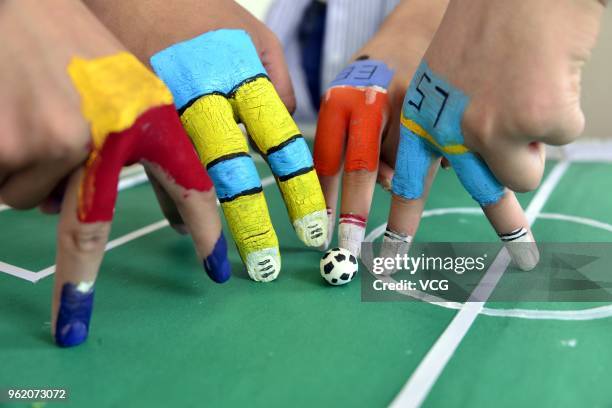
{"x":80,"y":248}
{"x":433,"y":111}
{"x":509,"y":221}
{"x":167,"y":205}
{"x":87,"y":211}
{"x":499,"y":205}
{"x":271,"y":127}
{"x":199,"y":210}
{"x":203,"y":74}
{"x":361,"y":166}
{"x":415,"y":171}
{"x":363,"y":89}
{"x":225,"y":63}
{"x":330,"y":140}
{"x":117,"y":93}
{"x":223,"y":150}
{"x":169,"y":156}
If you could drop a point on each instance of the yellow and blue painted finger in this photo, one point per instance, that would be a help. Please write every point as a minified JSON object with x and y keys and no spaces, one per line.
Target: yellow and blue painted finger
{"x":278,"y":138}
{"x":217,"y":80}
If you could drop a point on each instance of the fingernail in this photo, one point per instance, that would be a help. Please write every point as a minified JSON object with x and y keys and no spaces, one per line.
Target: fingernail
{"x":74,"y":314}
{"x":216,"y":264}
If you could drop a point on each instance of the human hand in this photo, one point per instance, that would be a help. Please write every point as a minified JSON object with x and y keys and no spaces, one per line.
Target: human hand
{"x":217,"y":79}
{"x":489,"y":114}
{"x":132,"y":120}
{"x":210,"y":77}
{"x":360,"y":115}
{"x":44,"y":136}
{"x":148,"y":27}
{"x":93,"y":108}
{"x":520,"y":64}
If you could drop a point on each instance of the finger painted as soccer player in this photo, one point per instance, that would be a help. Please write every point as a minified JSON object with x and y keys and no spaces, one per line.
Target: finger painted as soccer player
{"x":430,"y":129}
{"x":132,"y":119}
{"x":167,"y":204}
{"x":218,"y":80}
{"x":353,"y":114}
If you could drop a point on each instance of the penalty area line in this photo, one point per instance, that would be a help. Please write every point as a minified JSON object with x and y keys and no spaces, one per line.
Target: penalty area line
{"x":17,"y":272}
{"x":420,"y":383}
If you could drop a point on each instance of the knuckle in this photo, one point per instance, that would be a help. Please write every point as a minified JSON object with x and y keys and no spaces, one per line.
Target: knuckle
{"x":542,"y":117}
{"x":68,"y":134}
{"x":13,"y":149}
{"x":16,"y":195}
{"x":535,"y":118}
{"x":85,"y":238}
{"x":15,"y":201}
{"x":12,"y":154}
{"x":478,"y":124}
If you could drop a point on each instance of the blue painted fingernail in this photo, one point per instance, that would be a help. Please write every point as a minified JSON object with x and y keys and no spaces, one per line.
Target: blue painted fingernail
{"x":216,"y":264}
{"x":74,"y":313}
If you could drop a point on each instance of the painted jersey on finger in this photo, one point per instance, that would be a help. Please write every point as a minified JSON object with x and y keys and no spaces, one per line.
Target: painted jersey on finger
{"x":356,"y":105}
{"x":217,"y":79}
{"x":132,"y":119}
{"x":431,"y":127}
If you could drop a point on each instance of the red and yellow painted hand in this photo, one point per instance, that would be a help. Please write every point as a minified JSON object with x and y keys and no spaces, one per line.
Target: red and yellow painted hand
{"x":353,"y":114}
{"x":132,"y":119}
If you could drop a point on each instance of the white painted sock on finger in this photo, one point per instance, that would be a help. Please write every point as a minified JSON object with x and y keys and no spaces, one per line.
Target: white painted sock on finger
{"x":394,"y":244}
{"x":331,"y":218}
{"x":351,"y":232}
{"x":263,"y":265}
{"x":522,"y":248}
{"x":312,"y":228}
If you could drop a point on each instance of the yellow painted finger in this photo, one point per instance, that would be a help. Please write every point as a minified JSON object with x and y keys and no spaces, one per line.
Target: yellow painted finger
{"x":277,"y":136}
{"x":223,"y":149}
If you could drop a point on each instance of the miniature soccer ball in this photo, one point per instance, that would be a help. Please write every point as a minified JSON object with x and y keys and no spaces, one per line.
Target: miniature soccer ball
{"x":338,"y":266}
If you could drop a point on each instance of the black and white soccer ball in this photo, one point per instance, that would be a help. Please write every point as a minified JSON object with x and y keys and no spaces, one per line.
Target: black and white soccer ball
{"x":338,"y":266}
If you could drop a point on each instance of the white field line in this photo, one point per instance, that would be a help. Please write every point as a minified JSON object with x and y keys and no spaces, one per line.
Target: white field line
{"x":17,"y":271}
{"x":111,"y":244}
{"x":593,"y":313}
{"x":132,"y":236}
{"x":415,"y":391}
